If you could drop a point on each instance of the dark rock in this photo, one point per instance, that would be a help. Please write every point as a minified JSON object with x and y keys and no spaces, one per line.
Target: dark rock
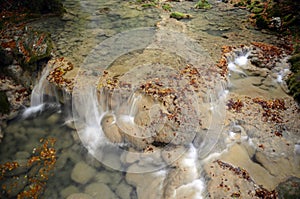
{"x":5,"y":57}
{"x":32,"y":47}
{"x":4,"y":103}
{"x":261,"y":22}
{"x":38,"y":6}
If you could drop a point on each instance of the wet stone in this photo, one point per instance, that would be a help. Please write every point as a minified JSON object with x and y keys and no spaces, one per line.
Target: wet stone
{"x":53,"y":119}
{"x":15,"y":185}
{"x":82,"y":173}
{"x":68,"y":191}
{"x":100,"y":190}
{"x":22,"y":168}
{"x":61,"y":161}
{"x":289,"y":188}
{"x":103,"y":177}
{"x":79,"y":196}
{"x":124,"y":190}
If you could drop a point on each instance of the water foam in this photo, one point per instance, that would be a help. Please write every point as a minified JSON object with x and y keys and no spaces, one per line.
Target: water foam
{"x":32,"y":110}
{"x":241,"y":60}
{"x":234,"y":68}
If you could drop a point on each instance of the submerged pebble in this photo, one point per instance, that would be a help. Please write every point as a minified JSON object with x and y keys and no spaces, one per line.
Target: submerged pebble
{"x":80,"y":196}
{"x":82,"y":173}
{"x":100,"y":190}
{"x":68,"y":191}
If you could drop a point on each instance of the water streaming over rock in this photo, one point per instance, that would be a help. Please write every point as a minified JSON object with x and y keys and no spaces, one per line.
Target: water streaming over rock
{"x":44,"y":95}
{"x":146,"y":102}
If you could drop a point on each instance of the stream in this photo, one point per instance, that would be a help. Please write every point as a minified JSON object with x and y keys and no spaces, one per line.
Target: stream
{"x":149,"y":116}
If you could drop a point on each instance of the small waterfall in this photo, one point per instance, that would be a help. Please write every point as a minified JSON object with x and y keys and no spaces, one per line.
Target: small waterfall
{"x":42,"y":94}
{"x":37,"y":95}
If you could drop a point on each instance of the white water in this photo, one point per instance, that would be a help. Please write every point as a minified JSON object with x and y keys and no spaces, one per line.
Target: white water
{"x":234,"y":68}
{"x":33,"y":110}
{"x":40,"y":90}
{"x":242,"y":59}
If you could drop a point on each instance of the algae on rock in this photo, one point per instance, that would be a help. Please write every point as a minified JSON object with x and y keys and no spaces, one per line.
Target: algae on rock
{"x":180,"y":15}
{"x":203,"y":4}
{"x":294,"y":80}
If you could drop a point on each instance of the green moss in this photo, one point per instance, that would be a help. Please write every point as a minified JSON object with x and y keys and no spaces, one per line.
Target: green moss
{"x":167,"y":7}
{"x":289,"y":189}
{"x":179,"y":15}
{"x":203,"y":4}
{"x":257,"y":10}
{"x":294,"y":80}
{"x":148,"y":5}
{"x":4,"y":104}
{"x":295,"y":63}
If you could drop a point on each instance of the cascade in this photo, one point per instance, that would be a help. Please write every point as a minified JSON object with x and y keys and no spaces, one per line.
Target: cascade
{"x":44,"y":95}
{"x":137,"y":92}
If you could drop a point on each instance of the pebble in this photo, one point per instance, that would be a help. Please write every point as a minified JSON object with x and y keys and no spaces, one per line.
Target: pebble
{"x":100,"y":190}
{"x":53,"y":119}
{"x":79,"y":196}
{"x":68,"y":191}
{"x":82,"y":173}
{"x":124,"y":190}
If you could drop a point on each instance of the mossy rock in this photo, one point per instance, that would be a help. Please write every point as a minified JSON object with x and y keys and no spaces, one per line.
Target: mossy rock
{"x":180,"y":15}
{"x":289,"y":189}
{"x":4,"y":103}
{"x":33,"y":47}
{"x":167,"y":7}
{"x":257,"y":10}
{"x":148,"y":5}
{"x":295,"y":63}
{"x":293,"y":81}
{"x":203,"y":4}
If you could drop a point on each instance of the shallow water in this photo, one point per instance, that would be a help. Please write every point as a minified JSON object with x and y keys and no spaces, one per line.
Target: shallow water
{"x":78,"y":36}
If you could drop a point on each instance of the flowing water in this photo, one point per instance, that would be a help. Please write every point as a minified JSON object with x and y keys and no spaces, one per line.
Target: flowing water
{"x":111,"y":142}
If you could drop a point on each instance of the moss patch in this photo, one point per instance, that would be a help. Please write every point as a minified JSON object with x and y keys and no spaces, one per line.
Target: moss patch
{"x":294,"y":80}
{"x":203,"y":4}
{"x":180,"y":15}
